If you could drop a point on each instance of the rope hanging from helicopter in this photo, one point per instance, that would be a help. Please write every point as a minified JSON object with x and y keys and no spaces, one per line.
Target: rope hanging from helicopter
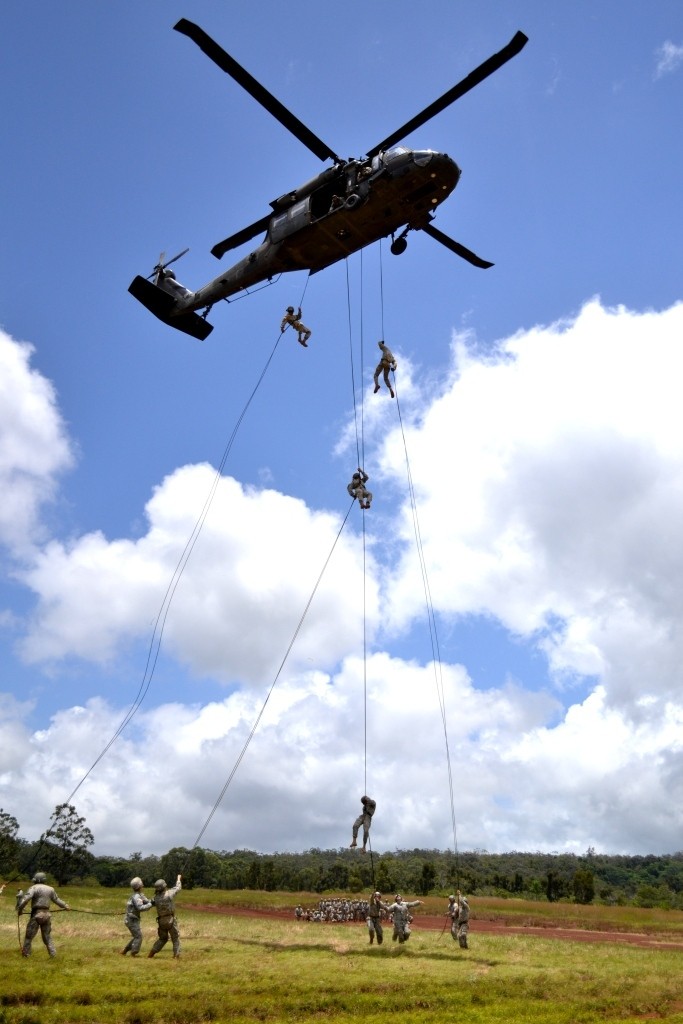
{"x":162,"y":615}
{"x":431,"y":616}
{"x":258,"y":718}
{"x":358,"y":412}
{"x":433,"y":634}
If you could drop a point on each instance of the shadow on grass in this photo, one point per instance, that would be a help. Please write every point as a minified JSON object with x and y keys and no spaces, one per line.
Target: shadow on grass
{"x":369,"y":952}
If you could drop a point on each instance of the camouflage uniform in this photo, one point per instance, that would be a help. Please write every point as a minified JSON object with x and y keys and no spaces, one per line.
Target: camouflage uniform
{"x":40,"y":896}
{"x":401,"y":917}
{"x":293,"y":319}
{"x":463,"y":921}
{"x":386,"y":363}
{"x":374,"y":918}
{"x":166,"y":921}
{"x":357,"y":488}
{"x":136,"y":905}
{"x":364,"y":819}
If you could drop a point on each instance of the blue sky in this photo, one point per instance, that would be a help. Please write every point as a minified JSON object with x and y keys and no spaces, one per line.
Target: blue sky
{"x":540,"y":401}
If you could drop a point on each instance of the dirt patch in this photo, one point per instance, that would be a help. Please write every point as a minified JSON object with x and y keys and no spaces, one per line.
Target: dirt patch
{"x":489,"y":927}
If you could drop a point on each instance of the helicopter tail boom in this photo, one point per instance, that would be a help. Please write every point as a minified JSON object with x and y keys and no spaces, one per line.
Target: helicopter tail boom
{"x":161,"y":304}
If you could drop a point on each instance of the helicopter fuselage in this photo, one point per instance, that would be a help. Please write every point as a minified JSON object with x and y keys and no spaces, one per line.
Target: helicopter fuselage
{"x":341,"y":210}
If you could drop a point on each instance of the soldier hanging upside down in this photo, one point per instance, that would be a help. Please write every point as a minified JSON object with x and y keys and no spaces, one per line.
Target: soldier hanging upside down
{"x":357,"y":488}
{"x":292,"y":319}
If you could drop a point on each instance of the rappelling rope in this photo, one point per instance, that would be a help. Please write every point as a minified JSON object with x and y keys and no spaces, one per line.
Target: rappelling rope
{"x":431,"y":616}
{"x":272,"y":685}
{"x":160,"y":622}
{"x":358,"y":415}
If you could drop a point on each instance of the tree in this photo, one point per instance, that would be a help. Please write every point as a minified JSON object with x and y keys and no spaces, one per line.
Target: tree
{"x":9,"y":844}
{"x":584,"y":886}
{"x":385,"y":879}
{"x":428,"y":878}
{"x":67,"y":841}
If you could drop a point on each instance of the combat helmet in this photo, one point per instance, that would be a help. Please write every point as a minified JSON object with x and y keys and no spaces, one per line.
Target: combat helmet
{"x":39,"y":876}
{"x":160,"y":885}
{"x":136,"y":883}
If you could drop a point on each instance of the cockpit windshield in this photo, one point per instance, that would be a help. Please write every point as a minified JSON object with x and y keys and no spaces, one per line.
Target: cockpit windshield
{"x":422,"y":156}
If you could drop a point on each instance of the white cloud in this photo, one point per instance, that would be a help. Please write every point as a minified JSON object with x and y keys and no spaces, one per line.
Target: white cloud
{"x":549,"y":479}
{"x":669,"y":58}
{"x":238,"y":602}
{"x":34,"y":448}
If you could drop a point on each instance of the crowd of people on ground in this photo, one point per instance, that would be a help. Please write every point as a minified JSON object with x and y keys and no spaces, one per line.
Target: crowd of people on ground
{"x":336,"y":910}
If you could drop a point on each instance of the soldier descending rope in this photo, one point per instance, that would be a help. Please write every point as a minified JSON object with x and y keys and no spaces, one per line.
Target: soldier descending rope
{"x":364,"y":819}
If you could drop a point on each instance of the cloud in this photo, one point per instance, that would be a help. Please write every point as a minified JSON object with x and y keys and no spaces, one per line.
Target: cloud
{"x":239,"y":601}
{"x":669,"y":58}
{"x":34,"y":447}
{"x":521,"y":783}
{"x":549,"y":481}
{"x":548,"y":475}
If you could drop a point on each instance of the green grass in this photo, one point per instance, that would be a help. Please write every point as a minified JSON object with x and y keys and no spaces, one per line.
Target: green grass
{"x":242,"y":969}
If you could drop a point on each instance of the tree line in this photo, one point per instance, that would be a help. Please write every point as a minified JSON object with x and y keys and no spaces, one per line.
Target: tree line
{"x":63,"y":852}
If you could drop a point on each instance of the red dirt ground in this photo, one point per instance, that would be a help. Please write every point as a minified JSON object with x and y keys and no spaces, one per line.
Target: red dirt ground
{"x":490,"y":927}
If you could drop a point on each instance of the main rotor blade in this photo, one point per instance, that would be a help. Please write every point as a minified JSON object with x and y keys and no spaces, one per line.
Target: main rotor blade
{"x":228,"y":64}
{"x":220,"y":248}
{"x":517,"y":42}
{"x":456,"y":247}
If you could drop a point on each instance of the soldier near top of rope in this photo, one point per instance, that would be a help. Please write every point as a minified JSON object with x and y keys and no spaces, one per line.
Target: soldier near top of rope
{"x":386,"y":363}
{"x":40,"y":897}
{"x":364,"y":819}
{"x":357,"y":488}
{"x":292,"y":319}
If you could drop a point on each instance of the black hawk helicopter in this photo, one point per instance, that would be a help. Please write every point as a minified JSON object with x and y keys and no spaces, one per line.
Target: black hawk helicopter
{"x":342,"y":209}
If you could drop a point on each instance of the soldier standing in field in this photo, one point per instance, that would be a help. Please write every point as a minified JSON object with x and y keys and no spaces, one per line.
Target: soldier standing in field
{"x":452,"y":912}
{"x":374,"y":917}
{"x":137,"y":903}
{"x":463,"y":921}
{"x":166,"y":920}
{"x":400,"y":911}
{"x":40,"y":896}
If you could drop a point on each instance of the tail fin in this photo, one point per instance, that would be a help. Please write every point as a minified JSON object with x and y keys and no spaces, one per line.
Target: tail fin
{"x":159,"y":302}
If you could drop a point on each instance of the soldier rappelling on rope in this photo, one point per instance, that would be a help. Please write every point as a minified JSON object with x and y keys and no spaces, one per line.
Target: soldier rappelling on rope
{"x":387,"y":363}
{"x":364,"y":819}
{"x":357,"y":488}
{"x":292,"y":319}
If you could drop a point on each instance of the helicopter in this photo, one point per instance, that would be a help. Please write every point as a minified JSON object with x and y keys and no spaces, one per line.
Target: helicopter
{"x":389,"y":191}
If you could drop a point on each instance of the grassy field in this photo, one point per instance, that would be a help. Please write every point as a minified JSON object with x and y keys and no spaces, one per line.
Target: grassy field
{"x":243,"y":969}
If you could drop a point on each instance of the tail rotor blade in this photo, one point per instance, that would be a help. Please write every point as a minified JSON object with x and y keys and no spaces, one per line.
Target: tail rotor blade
{"x":162,"y":266}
